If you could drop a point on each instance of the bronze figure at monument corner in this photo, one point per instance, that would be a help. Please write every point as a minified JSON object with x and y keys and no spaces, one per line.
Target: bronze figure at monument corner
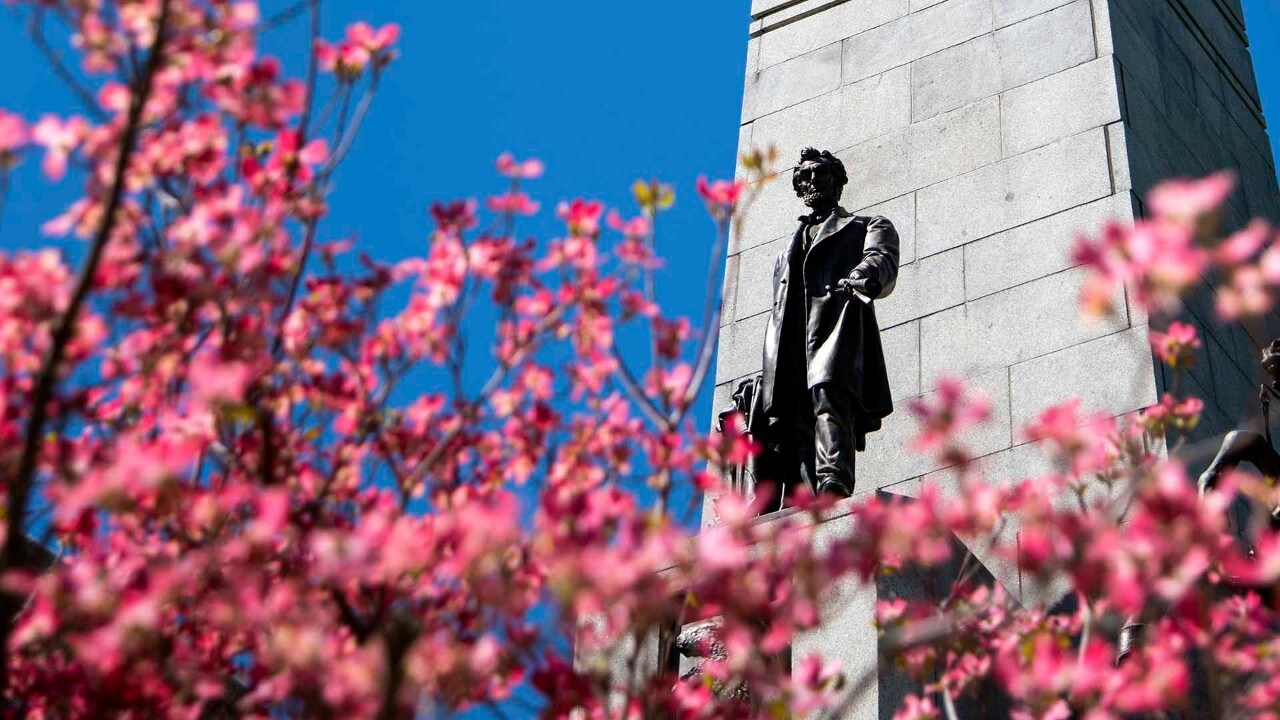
{"x":824,"y":385}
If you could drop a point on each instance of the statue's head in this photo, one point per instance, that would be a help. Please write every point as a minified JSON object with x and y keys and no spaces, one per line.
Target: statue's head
{"x":1271,"y":361}
{"x":819,"y":179}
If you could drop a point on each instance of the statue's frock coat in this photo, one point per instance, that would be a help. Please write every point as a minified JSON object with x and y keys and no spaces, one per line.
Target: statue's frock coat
{"x":842,"y":339}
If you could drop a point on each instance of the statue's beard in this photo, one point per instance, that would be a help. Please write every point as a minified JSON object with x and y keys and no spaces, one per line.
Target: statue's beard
{"x":815,"y":198}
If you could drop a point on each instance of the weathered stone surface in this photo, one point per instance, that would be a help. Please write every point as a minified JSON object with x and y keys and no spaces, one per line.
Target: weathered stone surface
{"x":755,"y":278}
{"x":1036,"y":249}
{"x":740,"y":348}
{"x":997,"y":61}
{"x":796,"y":80}
{"x":914,"y":36}
{"x":889,"y":459}
{"x":1113,"y":374}
{"x":760,"y":8}
{"x":924,"y":287}
{"x":1059,"y":106}
{"x":1012,"y":192}
{"x":901,"y":345}
{"x":958,"y":75}
{"x":1009,"y":12}
{"x":729,"y":290}
{"x":753,"y":57}
{"x":1135,"y":53}
{"x":839,"y":119}
{"x":1046,"y":43}
{"x":1009,"y":327}
{"x":924,"y":153}
{"x":872,"y":107}
{"x":823,"y":28}
{"x":794,"y":127}
{"x":770,"y":216}
{"x":846,"y":635}
{"x":744,"y":145}
{"x":1103,"y":40}
{"x":1118,"y":153}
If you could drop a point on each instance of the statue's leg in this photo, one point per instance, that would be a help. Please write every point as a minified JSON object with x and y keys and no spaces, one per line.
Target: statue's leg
{"x":776,"y":467}
{"x":1240,"y":446}
{"x":806,"y":465}
{"x":834,"y":440}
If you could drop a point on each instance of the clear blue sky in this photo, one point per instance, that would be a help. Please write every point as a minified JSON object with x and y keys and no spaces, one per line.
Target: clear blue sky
{"x":604,"y":92}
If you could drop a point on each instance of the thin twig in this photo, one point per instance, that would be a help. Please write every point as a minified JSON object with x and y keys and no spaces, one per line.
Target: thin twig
{"x":362,"y":111}
{"x":21,"y":484}
{"x":286,"y":15}
{"x":61,"y":70}
{"x":632,"y":386}
{"x":495,"y":379}
{"x":710,"y":324}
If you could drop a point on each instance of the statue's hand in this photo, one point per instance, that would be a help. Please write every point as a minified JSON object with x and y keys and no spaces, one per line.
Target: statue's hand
{"x":859,"y":283}
{"x":846,"y":286}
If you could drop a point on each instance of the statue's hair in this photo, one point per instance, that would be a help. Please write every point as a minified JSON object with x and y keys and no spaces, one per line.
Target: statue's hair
{"x":814,"y":155}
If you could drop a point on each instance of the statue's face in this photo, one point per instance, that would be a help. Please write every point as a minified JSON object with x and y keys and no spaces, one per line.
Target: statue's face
{"x":816,"y":185}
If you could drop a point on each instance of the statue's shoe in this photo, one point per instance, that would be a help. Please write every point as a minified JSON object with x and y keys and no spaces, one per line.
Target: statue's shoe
{"x":833,"y":488}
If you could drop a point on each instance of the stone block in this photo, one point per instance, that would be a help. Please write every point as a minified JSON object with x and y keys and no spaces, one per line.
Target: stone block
{"x":999,"y":468}
{"x":721,"y":398}
{"x":811,"y":122}
{"x":1139,"y":63}
{"x":838,"y":120}
{"x":1209,"y":90}
{"x":1008,"y":12}
{"x":1037,"y":249}
{"x":1011,"y":192}
{"x":745,"y":145}
{"x":923,"y":153}
{"x":1174,"y":63}
{"x":1046,"y":43}
{"x":1228,"y":43}
{"x":741,"y":346}
{"x":914,"y":36}
{"x":826,"y":26}
{"x":1118,"y":152}
{"x":889,"y":458}
{"x":755,"y":278}
{"x":1059,"y":106}
{"x":901,"y":346}
{"x":958,"y":75}
{"x":760,"y":8}
{"x":924,"y":287}
{"x":847,"y":634}
{"x":1009,"y":327}
{"x":794,"y":81}
{"x":901,"y":211}
{"x":1114,"y":374}
{"x":1103,"y":38}
{"x":1253,"y":126}
{"x":872,"y":107}
{"x":729,"y":290}
{"x":771,"y":215}
{"x":753,"y":56}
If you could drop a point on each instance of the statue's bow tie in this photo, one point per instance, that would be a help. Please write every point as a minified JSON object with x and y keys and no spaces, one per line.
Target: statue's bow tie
{"x":814,"y":218}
